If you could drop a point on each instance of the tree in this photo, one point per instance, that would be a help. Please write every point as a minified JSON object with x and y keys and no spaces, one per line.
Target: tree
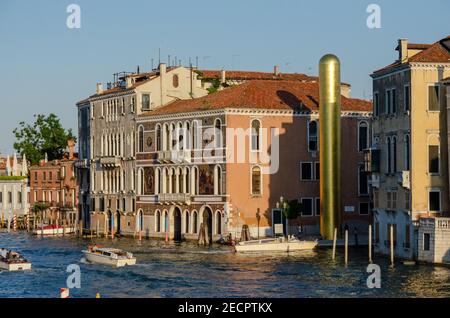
{"x":45,"y":136}
{"x":292,"y":209}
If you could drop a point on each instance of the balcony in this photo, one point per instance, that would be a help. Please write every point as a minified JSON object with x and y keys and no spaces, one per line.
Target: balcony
{"x":174,"y":156}
{"x":82,"y":164}
{"x":174,"y":198}
{"x":110,"y":162}
{"x":403,"y":179}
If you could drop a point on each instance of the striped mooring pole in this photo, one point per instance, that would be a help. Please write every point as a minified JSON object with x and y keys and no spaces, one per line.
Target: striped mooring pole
{"x":15,"y":222}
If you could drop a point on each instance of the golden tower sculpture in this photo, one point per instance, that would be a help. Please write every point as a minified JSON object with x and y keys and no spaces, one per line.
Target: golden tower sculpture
{"x":330,"y":145}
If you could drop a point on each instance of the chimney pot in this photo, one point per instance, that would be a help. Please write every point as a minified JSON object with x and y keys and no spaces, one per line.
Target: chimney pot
{"x":223,"y":77}
{"x":99,"y":89}
{"x":276,"y":70}
{"x":403,"y":50}
{"x":162,"y":69}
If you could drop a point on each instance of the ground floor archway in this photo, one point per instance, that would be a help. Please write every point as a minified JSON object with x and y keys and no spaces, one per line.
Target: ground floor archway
{"x":177,"y":224}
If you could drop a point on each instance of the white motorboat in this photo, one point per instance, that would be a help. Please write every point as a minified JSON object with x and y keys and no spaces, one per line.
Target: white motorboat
{"x":49,"y":230}
{"x":109,"y":256}
{"x":13,"y":261}
{"x":275,"y":245}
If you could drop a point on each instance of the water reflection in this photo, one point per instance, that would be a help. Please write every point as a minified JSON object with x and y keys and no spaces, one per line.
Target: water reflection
{"x":186,"y":270}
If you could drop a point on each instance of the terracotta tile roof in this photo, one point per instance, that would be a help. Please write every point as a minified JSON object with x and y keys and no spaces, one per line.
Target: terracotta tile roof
{"x":251,"y":75}
{"x":437,"y":52}
{"x":269,"y":94}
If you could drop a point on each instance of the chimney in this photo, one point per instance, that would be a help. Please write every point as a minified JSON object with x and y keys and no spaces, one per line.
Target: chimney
{"x":276,"y":70}
{"x":403,"y":50}
{"x":129,"y":81}
{"x":99,"y":89}
{"x":71,"y":147}
{"x":223,"y":77}
{"x":162,"y":69}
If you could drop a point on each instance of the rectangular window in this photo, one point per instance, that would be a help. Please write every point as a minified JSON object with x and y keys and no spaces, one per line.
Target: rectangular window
{"x":35,"y":196}
{"x":376,"y":105}
{"x":363,"y":181}
{"x":435,"y":200}
{"x":145,"y":101}
{"x":363,"y":136}
{"x":388,"y":102}
{"x":394,"y":100}
{"x":433,"y":159}
{"x":1,"y":197}
{"x":317,"y":170}
{"x":433,"y":98}
{"x":391,"y":198}
{"x":426,"y":241}
{"x":44,"y":177}
{"x":407,"y":98}
{"x":35,"y":177}
{"x":364,"y":208}
{"x":306,"y":172}
{"x":407,"y":200}
{"x":307,"y":206}
{"x":317,"y":206}
{"x":9,"y":197}
{"x":407,"y":236}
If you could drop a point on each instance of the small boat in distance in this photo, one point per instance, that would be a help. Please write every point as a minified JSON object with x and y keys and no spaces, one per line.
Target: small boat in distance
{"x":109,"y":256}
{"x":13,"y":261}
{"x":53,"y":229}
{"x":275,"y":245}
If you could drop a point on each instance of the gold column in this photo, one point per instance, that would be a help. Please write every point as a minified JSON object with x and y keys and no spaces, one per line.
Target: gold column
{"x":330,"y":145}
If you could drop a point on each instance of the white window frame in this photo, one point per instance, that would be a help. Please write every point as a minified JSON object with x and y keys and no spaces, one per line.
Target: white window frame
{"x":312,"y":168}
{"x":251,"y":181}
{"x":312,"y":206}
{"x":308,"y":136}
{"x":440,"y":199}
{"x":259,"y":133}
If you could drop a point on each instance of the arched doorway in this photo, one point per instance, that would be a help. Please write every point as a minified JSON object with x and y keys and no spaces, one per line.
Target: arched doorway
{"x":118,"y":222}
{"x":207,"y":222}
{"x":177,"y":225}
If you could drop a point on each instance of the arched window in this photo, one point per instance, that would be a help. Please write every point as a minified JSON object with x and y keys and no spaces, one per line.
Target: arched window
{"x":158,"y":138}
{"x":186,"y":180}
{"x":186,"y":223}
{"x":195,"y":135}
{"x":180,"y":180}
{"x":389,"y":154}
{"x":218,"y":133}
{"x":141,"y":181}
{"x":140,"y":221}
{"x":194,"y":181}
{"x":407,"y":152}
{"x":157,"y":181}
{"x":195,"y":222}
{"x":166,"y":222}
{"x":363,"y":136}
{"x":173,"y":136}
{"x":158,"y":221}
{"x":180,"y":136}
{"x":256,"y":135}
{"x":312,"y":136}
{"x":218,"y":223}
{"x":217,"y":180}
{"x":187,"y":133}
{"x":141,"y":139}
{"x":166,"y":136}
{"x":256,"y":181}
{"x":175,"y":81}
{"x":394,"y":154}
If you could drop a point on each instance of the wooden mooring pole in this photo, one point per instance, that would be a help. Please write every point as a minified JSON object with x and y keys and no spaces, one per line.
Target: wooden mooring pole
{"x":334,"y":243}
{"x":370,"y":243}
{"x":392,"y":244}
{"x":346,"y":247}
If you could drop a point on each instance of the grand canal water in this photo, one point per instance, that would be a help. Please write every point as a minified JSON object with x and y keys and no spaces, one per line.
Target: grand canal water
{"x":186,"y":270}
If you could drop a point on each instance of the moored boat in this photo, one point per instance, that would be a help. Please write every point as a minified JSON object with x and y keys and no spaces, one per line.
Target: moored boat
{"x":109,"y":256}
{"x":53,"y":229}
{"x":275,"y":245}
{"x":13,"y":261}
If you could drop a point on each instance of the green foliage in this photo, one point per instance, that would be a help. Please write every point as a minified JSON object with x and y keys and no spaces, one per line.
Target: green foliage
{"x":41,"y":206}
{"x":215,"y":86}
{"x":12,"y":178}
{"x":45,"y":136}
{"x":292,"y":209}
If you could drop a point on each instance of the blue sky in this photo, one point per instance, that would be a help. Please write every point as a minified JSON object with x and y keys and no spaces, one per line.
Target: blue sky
{"x":46,"y":67}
